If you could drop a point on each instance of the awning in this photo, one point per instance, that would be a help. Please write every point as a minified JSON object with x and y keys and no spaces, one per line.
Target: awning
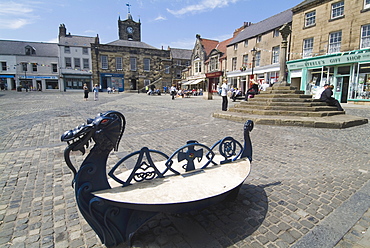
{"x":187,"y":83}
{"x":196,"y":81}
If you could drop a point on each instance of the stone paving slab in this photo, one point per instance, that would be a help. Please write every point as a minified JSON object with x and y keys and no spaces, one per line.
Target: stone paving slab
{"x":300,"y":176}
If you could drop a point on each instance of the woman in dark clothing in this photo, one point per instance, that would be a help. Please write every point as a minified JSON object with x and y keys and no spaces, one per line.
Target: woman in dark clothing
{"x":326,"y":96}
{"x":86,"y":92}
{"x":251,"y":91}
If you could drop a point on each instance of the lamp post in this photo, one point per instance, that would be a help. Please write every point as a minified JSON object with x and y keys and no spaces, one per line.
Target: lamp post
{"x":253,"y":52}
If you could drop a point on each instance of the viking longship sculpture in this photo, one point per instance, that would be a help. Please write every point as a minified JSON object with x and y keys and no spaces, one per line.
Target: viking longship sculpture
{"x":116,"y":204}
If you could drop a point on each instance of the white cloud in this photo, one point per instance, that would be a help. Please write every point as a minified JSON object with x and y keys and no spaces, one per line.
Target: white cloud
{"x":160,"y":18}
{"x":16,"y":15}
{"x":204,"y":5}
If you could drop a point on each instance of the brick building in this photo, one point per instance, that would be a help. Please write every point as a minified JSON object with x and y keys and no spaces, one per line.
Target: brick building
{"x":331,"y":44}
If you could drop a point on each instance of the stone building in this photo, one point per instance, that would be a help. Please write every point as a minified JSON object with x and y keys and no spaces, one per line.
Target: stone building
{"x":255,"y":52}
{"x":128,"y":64}
{"x":180,"y":62}
{"x":331,"y":44}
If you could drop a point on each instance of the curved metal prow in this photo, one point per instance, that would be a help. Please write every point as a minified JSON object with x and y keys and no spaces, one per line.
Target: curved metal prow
{"x":247,"y":149}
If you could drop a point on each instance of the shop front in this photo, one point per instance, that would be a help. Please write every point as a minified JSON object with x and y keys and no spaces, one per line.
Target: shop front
{"x":76,"y":82}
{"x":214,"y":81}
{"x":7,"y":82}
{"x":264,"y":75}
{"x":112,"y":80}
{"x":348,"y":72}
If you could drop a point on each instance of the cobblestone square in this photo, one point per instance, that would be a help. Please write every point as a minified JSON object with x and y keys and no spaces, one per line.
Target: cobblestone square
{"x":309,"y":187}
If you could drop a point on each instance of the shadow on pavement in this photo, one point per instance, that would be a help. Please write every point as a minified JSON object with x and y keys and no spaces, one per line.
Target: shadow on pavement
{"x":220,"y":225}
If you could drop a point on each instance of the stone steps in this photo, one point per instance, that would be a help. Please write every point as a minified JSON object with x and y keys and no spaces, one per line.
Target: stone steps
{"x":287,"y":106}
{"x":294,"y":112}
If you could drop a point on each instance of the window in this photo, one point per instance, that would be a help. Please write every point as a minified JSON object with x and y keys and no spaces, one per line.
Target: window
{"x":367,"y":4}
{"x":104,"y":62}
{"x":198,"y":66}
{"x":24,"y":66}
{"x":310,"y":19}
{"x":259,"y":38}
{"x":86,"y":63}
{"x":133,"y":64}
{"x":335,"y":40}
{"x":275,"y":54}
{"x":68,"y":62}
{"x":245,"y":43}
{"x":146,"y":64}
{"x":30,"y":50}
{"x":34,"y":67}
{"x":337,"y":9}
{"x":146,"y":82}
{"x":85,"y":50}
{"x":167,"y":69}
{"x":233,"y":63}
{"x":245,"y":60}
{"x":54,"y":67}
{"x":307,"y":47}
{"x":178,"y":74}
{"x":213,"y":65}
{"x":77,"y":63}
{"x":236,"y":46}
{"x":258,"y":58}
{"x":67,"y":49}
{"x":3,"y":66}
{"x":119,"y":63}
{"x":276,"y":33}
{"x":365,"y":36}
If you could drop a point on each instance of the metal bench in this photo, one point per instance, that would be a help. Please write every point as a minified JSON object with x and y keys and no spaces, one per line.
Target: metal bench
{"x":193,"y":177}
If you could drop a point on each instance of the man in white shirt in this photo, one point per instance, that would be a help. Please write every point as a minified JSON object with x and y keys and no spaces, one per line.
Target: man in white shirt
{"x":224,"y":90}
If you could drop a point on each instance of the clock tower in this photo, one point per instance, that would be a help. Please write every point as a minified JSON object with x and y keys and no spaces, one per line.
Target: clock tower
{"x":129,"y":29}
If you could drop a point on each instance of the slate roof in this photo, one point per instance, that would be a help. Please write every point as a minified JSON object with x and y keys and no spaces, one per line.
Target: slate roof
{"x":177,"y":53}
{"x":75,"y":40}
{"x":264,"y":26}
{"x":131,"y":43}
{"x":10,"y":47}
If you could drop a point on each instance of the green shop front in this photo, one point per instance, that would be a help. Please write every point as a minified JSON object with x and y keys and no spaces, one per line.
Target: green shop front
{"x":348,"y":72}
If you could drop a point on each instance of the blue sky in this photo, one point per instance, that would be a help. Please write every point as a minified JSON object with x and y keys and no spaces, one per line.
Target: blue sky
{"x":173,"y":23}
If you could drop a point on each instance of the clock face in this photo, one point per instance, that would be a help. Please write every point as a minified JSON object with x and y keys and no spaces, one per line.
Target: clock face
{"x":130,"y":30}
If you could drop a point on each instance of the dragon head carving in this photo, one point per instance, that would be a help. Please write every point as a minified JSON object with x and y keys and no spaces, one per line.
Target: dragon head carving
{"x":105,"y":130}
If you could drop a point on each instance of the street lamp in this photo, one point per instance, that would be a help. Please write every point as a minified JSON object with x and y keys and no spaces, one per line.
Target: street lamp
{"x":253,"y":52}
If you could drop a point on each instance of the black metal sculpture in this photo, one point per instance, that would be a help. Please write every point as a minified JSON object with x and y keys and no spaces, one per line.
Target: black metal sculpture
{"x":116,"y":221}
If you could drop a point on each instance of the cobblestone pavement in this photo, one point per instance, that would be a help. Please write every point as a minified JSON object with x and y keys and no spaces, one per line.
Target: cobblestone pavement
{"x":308,"y":187}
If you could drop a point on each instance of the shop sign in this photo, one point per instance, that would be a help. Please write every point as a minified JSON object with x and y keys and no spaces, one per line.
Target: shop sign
{"x":214,"y":74}
{"x":326,"y":61}
{"x":39,"y":77}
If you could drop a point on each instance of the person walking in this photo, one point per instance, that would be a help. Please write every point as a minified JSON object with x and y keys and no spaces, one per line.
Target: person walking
{"x":224,"y":90}
{"x":96,"y":92}
{"x":86,"y":92}
{"x":326,"y":96}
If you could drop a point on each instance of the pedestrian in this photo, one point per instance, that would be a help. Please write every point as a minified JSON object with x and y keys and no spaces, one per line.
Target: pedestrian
{"x":86,"y":92}
{"x":326,"y":96}
{"x":224,"y":90}
{"x":96,"y":92}
{"x":173,"y":91}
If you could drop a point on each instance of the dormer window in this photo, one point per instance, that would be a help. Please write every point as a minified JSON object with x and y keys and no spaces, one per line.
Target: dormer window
{"x":30,"y":50}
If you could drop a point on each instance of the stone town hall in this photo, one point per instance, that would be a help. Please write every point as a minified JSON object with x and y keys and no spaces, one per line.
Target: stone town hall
{"x":128,"y":64}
